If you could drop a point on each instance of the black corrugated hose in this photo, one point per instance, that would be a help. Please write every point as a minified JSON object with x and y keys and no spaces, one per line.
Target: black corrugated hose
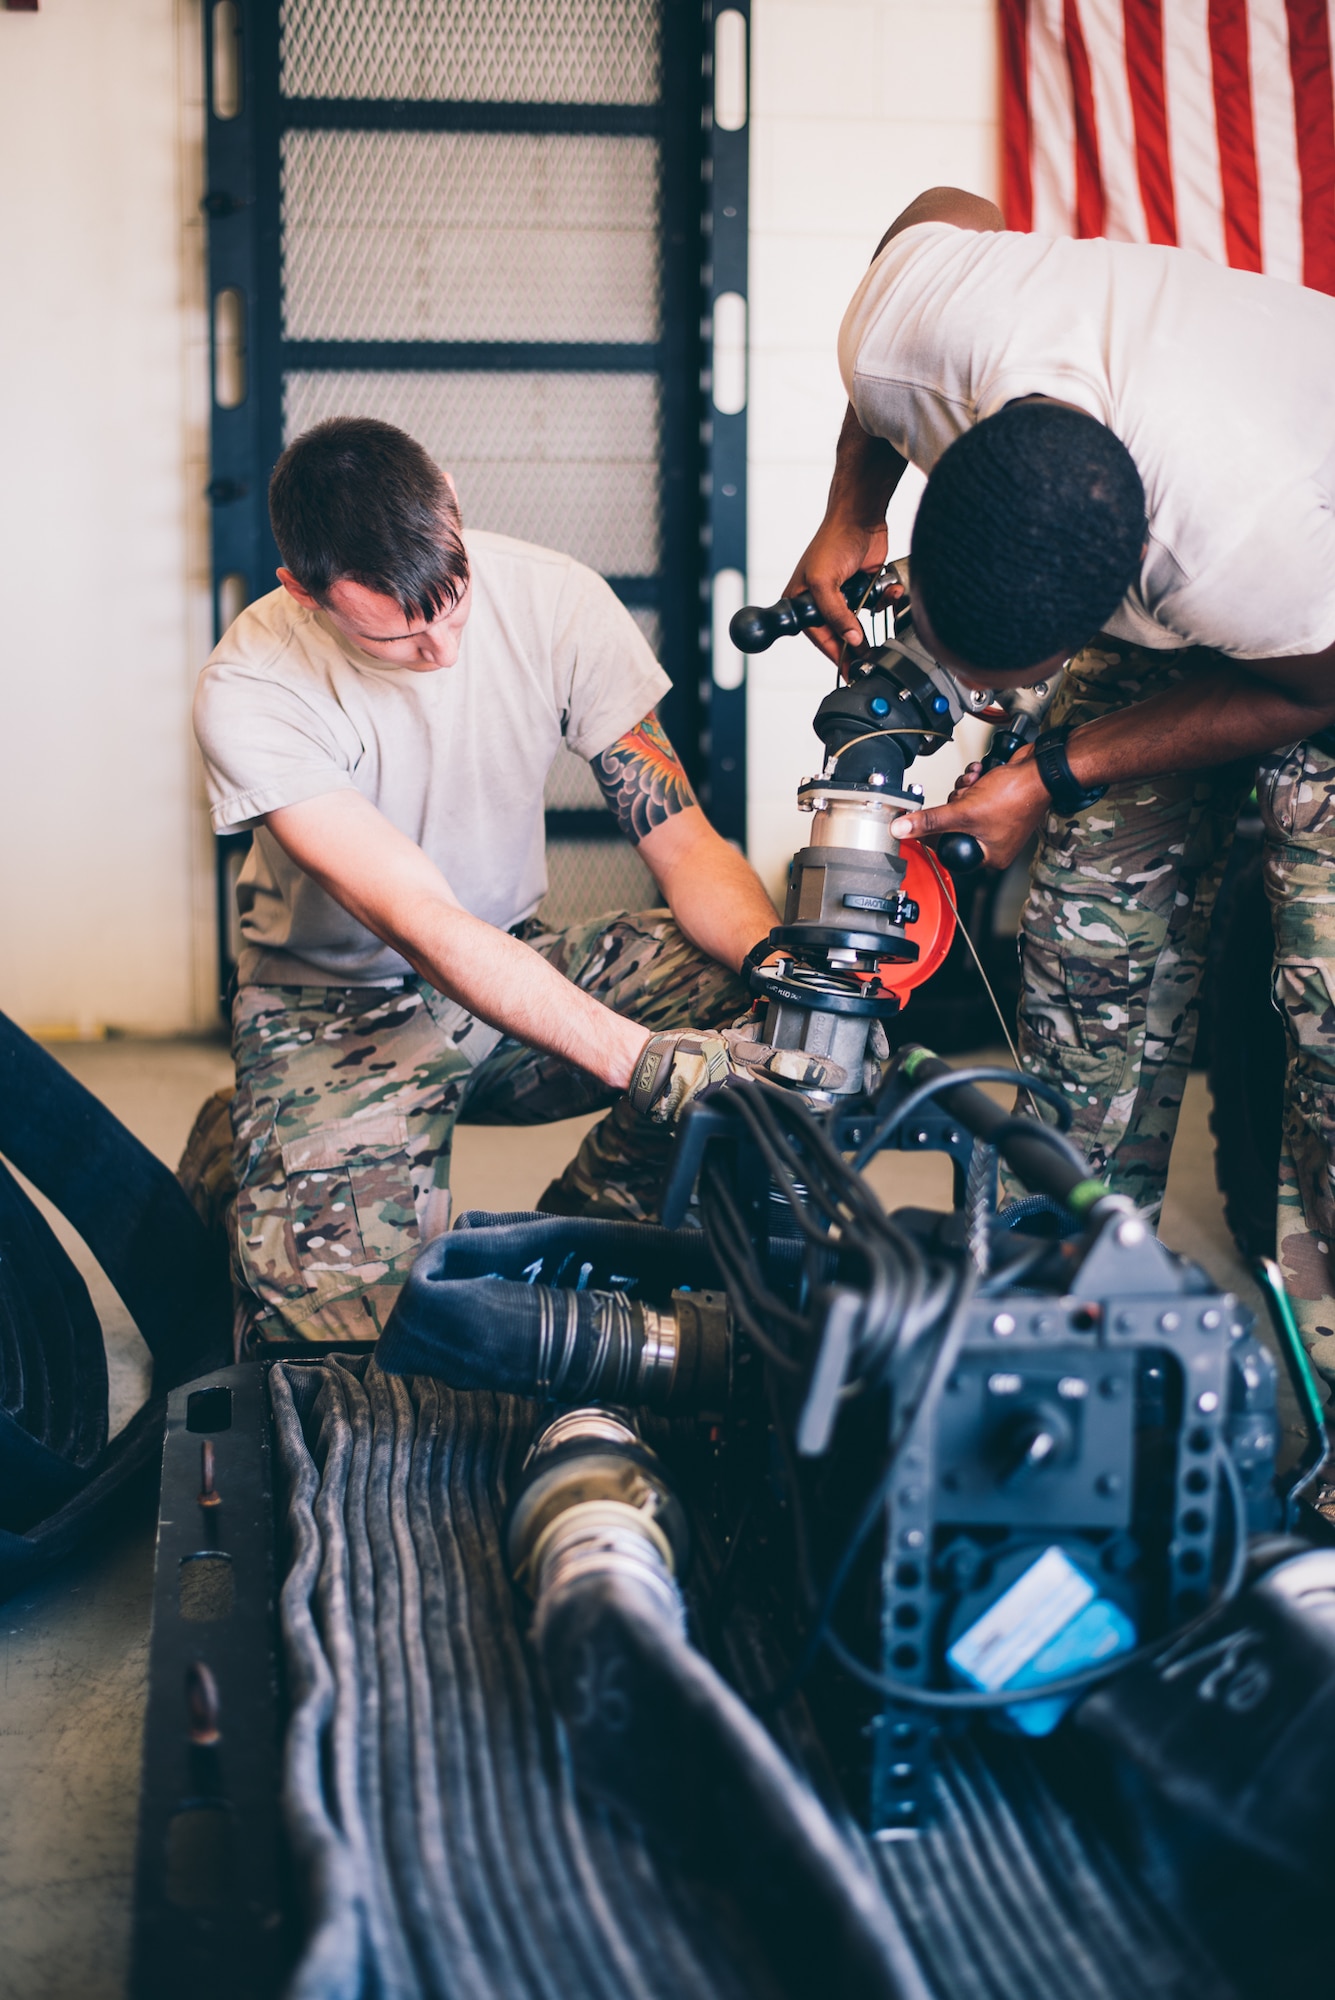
{"x":57,"y":1470}
{"x":441,"y":1846}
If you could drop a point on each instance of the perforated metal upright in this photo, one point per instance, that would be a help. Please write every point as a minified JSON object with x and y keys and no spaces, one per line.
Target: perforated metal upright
{"x":502,"y":225}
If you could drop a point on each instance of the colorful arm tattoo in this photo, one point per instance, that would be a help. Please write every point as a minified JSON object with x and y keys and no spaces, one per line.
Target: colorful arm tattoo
{"x":642,"y":780}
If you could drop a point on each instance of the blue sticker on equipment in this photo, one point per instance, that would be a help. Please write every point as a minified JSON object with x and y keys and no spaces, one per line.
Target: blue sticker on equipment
{"x":1051,"y":1623}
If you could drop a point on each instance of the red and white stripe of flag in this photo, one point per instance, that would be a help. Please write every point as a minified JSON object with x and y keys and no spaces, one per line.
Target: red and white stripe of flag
{"x":1206,"y":123}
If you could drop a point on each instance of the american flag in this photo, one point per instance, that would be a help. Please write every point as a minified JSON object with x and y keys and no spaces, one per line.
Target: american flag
{"x":1205,"y":123}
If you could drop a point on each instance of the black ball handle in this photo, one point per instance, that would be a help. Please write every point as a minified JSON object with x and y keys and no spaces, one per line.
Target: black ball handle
{"x":960,"y":853}
{"x":755,"y":627}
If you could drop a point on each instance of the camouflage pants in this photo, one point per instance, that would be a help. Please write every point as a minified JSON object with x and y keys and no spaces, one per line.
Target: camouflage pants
{"x":1112,"y":946}
{"x":1296,"y":793}
{"x":347,"y":1099}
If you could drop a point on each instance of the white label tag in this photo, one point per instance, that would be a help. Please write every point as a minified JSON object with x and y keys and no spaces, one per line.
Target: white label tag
{"x":1022,"y":1621}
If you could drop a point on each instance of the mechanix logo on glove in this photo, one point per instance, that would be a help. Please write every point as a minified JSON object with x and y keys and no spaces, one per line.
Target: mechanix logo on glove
{"x":674,"y":1069}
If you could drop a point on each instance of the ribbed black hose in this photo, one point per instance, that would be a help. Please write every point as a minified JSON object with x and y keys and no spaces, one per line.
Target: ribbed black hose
{"x":1003,"y":1896}
{"x":129,"y":1209}
{"x":333,"y":1963}
{"x":538,"y":1305}
{"x":439,"y":1840}
{"x":439,"y":1843}
{"x":53,"y":1367}
{"x":58,"y":1475}
{"x":674,"y":1744}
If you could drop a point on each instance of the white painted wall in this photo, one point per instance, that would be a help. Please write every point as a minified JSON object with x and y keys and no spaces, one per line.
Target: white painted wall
{"x":855,"y":108}
{"x":105,"y":903}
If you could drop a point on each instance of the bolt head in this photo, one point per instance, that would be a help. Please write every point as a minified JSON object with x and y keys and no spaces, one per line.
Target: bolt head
{"x":1207,"y":1403}
{"x":1003,"y":1324}
{"x":1131,"y":1232}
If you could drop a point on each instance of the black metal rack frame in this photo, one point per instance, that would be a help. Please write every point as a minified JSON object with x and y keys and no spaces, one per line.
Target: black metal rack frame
{"x":703,"y":451}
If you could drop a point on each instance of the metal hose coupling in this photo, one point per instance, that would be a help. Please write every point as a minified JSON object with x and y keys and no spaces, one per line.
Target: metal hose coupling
{"x":594,"y":1507}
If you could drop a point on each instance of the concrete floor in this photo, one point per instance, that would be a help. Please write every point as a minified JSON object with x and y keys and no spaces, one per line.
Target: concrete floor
{"x":73,"y":1652}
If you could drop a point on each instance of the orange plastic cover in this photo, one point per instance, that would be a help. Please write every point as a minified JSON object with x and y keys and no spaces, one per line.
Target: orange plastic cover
{"x":934,"y":929}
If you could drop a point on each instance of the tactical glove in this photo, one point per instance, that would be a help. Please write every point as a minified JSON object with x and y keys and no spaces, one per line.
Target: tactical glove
{"x":673,"y":1069}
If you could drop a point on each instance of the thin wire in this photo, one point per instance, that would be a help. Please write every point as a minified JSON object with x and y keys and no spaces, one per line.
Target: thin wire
{"x":840,"y":677}
{"x":870,"y":735}
{"x":949,"y":893}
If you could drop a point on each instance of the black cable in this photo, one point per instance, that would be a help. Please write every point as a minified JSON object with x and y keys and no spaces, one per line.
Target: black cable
{"x":1030,"y":1128}
{"x":833,"y":1210}
{"x":734,"y":1252}
{"x":1019,"y":1268}
{"x":979,"y":1073}
{"x":906,"y":1414}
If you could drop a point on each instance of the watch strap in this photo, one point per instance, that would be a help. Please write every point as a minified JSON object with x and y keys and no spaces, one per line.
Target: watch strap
{"x":1068,"y":795}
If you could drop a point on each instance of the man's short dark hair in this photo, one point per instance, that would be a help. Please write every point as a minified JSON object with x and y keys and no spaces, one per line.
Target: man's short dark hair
{"x":1028,"y":536}
{"x":356,"y":499}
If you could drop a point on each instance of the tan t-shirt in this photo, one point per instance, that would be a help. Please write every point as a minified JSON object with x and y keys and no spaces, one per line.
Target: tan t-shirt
{"x":1221,"y":385}
{"x":287,"y":709}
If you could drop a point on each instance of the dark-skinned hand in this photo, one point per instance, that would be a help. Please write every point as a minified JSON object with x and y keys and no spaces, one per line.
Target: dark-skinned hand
{"x":836,"y":551}
{"x":1000,"y":808}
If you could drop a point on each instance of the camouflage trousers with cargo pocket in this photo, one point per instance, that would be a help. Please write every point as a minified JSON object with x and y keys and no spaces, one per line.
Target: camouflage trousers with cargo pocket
{"x":346,"y":1103}
{"x":1112,"y":948}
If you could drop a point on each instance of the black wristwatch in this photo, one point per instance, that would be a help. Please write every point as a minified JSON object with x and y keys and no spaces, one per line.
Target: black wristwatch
{"x":1069,"y":797}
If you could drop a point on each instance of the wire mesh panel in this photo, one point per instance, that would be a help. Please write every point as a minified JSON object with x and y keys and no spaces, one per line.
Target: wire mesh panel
{"x":470,"y":236}
{"x":571,"y":785}
{"x":488,"y":51}
{"x":568,"y":461}
{"x":591,"y":878}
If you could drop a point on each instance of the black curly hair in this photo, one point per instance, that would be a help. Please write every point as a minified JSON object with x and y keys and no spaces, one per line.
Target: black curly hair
{"x":1028,"y":536}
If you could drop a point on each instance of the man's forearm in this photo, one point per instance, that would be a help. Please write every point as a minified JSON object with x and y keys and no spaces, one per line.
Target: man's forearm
{"x":714,"y":893}
{"x":866,"y":472}
{"x":503,"y":981}
{"x":1220,"y":716}
{"x":852,"y":535}
{"x":1217,"y":717}
{"x":386,"y":882}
